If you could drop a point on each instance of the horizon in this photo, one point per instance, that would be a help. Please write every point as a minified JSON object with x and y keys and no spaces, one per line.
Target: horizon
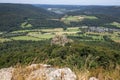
{"x":62,"y":4}
{"x":65,"y":2}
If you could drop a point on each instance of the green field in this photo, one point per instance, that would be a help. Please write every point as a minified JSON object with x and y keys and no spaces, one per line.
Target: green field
{"x":21,"y":31}
{"x":115,"y":24}
{"x":4,"y":40}
{"x":26,"y":25}
{"x":68,"y":19}
{"x":45,"y":34}
{"x":1,"y":32}
{"x":25,"y":38}
{"x":40,"y":36}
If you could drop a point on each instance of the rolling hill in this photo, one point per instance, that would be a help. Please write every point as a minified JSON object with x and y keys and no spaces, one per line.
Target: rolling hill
{"x":13,"y":15}
{"x":25,"y":16}
{"x":113,"y":11}
{"x":106,"y":16}
{"x":86,"y":9}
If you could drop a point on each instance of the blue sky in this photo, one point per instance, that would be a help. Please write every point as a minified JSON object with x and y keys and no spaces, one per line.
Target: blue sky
{"x":68,"y":2}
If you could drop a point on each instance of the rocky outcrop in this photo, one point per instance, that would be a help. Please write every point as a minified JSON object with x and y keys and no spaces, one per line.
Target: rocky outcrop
{"x":60,"y":40}
{"x":37,"y":72}
{"x":93,"y":78}
{"x":52,"y":74}
{"x":6,"y":73}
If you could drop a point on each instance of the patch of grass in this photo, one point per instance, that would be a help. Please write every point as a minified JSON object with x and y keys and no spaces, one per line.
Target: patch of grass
{"x":1,"y":32}
{"x":116,"y":38}
{"x":115,"y":24}
{"x":26,"y":25}
{"x":68,"y":19}
{"x":4,"y":40}
{"x":89,"y":17}
{"x":25,"y":38}
{"x":21,"y":31}
{"x":23,"y":73}
{"x":41,"y":36}
{"x":52,"y":30}
{"x":73,"y":29}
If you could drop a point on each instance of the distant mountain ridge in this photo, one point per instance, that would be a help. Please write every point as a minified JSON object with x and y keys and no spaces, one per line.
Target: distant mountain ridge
{"x":79,"y":9}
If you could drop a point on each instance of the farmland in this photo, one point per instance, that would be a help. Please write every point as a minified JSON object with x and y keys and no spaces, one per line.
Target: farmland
{"x":73,"y":28}
{"x":68,"y":19}
{"x":46,"y":34}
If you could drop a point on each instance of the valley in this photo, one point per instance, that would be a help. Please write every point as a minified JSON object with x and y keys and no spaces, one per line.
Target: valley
{"x":82,"y":34}
{"x":85,"y":39}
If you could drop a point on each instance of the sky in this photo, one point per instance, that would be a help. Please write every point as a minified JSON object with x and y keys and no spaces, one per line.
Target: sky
{"x":67,"y":2}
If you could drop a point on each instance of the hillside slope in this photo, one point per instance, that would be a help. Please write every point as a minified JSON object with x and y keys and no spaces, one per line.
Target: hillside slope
{"x":87,"y":9}
{"x":12,"y":15}
{"x":113,"y":11}
{"x":106,"y":16}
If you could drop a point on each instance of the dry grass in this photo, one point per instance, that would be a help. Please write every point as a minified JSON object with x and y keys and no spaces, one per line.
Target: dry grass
{"x":22,"y":73}
{"x":100,"y":74}
{"x":82,"y":75}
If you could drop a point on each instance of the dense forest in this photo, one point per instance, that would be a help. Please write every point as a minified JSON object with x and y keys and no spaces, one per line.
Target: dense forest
{"x":13,"y":15}
{"x":99,"y":54}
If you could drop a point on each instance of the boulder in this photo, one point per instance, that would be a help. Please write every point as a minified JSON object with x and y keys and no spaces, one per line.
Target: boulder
{"x":60,"y":40}
{"x":52,"y":74}
{"x":37,"y":72}
{"x":93,"y":78}
{"x":61,"y":74}
{"x":6,"y":73}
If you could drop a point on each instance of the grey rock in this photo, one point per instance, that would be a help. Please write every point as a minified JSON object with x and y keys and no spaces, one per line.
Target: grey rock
{"x":52,"y":74}
{"x":6,"y":73}
{"x":38,"y":72}
{"x":61,"y":74}
{"x":93,"y":78}
{"x":60,"y":40}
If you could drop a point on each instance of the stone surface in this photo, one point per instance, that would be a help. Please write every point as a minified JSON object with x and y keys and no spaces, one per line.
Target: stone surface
{"x":52,"y":74}
{"x":37,"y":72}
{"x":61,"y":74}
{"x":93,"y":78}
{"x":6,"y":73}
{"x":60,"y":40}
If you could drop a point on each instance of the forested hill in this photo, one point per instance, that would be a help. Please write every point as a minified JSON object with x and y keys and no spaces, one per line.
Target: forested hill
{"x":86,"y":9}
{"x":12,"y":15}
{"x":113,"y":11}
{"x":26,"y":10}
{"x":26,"y":16}
{"x":106,"y":16}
